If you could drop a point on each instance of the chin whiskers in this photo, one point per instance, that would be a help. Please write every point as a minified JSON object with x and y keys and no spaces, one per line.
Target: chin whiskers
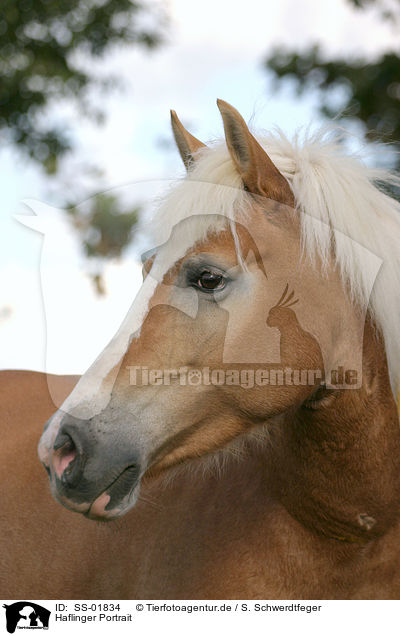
{"x":150,"y":501}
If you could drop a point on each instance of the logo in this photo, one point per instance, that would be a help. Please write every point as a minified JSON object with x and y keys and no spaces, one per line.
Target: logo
{"x":26,"y":615}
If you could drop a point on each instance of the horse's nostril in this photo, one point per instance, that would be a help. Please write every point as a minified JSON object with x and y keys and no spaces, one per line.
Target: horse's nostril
{"x":66,"y":459}
{"x":62,"y":439}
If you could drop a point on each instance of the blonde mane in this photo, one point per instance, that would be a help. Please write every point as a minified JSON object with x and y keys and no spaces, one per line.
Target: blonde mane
{"x":343,"y":210}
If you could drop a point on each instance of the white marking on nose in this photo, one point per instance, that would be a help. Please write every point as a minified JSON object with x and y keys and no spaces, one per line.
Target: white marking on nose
{"x":91,"y":395}
{"x":93,"y":391}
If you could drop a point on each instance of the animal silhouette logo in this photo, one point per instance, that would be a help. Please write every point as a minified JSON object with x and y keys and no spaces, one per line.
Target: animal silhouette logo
{"x":283,"y":317}
{"x":275,"y":315}
{"x":26,"y":615}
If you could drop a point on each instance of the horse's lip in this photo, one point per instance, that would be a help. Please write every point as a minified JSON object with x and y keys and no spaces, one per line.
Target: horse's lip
{"x":126,"y":483}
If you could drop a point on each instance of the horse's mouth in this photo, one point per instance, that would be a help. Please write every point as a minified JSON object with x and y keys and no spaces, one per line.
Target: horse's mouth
{"x":117,"y":497}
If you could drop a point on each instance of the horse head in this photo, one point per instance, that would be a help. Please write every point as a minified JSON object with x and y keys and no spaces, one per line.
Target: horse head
{"x":229,"y":238}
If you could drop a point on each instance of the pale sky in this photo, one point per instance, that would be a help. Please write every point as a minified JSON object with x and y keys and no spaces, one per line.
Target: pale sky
{"x":215,"y":49}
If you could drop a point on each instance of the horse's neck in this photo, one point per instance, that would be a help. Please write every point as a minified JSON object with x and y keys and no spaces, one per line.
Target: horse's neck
{"x":339,"y":466}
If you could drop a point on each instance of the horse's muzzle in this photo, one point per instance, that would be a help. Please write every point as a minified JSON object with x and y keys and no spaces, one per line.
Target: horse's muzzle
{"x":91,"y":471}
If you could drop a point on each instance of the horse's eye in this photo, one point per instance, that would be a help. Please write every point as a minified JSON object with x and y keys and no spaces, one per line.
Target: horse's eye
{"x":210,"y":281}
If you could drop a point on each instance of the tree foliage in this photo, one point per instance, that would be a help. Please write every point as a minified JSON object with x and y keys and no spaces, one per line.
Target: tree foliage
{"x":47,"y":54}
{"x":106,"y":229}
{"x":40,"y":45}
{"x":370,"y":90}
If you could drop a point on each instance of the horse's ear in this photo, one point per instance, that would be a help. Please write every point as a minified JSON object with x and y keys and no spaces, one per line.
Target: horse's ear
{"x":187,"y":144}
{"x":260,"y":176}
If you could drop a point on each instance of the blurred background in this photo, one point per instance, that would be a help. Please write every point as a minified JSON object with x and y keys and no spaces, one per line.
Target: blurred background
{"x":85,"y":92}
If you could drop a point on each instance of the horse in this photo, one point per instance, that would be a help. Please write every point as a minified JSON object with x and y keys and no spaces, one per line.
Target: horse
{"x":239,"y":436}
